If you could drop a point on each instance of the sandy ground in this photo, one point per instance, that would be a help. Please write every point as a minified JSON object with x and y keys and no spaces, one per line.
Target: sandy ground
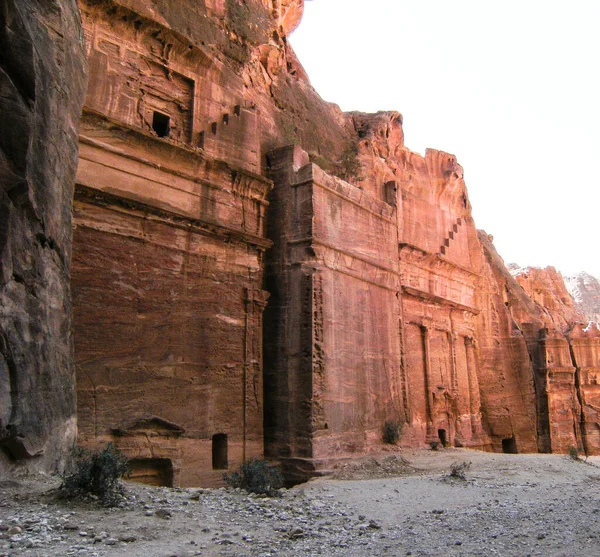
{"x":508,"y":505}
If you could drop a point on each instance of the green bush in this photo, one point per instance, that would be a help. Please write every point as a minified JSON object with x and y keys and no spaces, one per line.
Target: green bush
{"x":574,"y":452}
{"x":96,"y":473}
{"x":392,"y":431}
{"x":256,"y":476}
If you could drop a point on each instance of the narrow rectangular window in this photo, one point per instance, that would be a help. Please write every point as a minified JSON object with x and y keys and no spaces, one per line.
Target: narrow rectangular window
{"x":219,"y":451}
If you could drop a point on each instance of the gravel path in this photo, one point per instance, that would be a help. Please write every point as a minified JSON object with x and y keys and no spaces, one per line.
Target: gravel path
{"x":508,"y":505}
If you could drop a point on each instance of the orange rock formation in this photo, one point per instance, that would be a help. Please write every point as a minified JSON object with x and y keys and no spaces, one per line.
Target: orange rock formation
{"x":215,"y":186}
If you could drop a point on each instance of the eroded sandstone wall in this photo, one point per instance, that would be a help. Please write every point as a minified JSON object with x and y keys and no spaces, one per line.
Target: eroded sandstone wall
{"x":42,"y":83}
{"x":440,"y":264}
{"x":385,"y":302}
{"x":585,"y":352}
{"x":169,"y":245}
{"x":547,"y":288}
{"x":251,"y":63}
{"x":585,"y":290}
{"x":332,"y":349}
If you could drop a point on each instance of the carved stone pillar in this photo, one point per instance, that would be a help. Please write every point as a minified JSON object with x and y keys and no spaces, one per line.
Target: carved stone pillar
{"x":431,"y":434}
{"x":474,"y":395}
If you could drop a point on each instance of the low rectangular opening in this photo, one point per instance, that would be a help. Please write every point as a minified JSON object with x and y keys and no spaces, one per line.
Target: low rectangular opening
{"x":391,"y":189}
{"x":509,"y":445}
{"x":442,"y":436}
{"x":161,"y":124}
{"x":151,"y":471}
{"x":219,"y":451}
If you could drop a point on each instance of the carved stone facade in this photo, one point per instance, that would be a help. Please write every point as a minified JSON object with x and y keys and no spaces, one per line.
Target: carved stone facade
{"x":385,"y":304}
{"x":168,"y":256}
{"x":366,"y":324}
{"x":381,"y":300}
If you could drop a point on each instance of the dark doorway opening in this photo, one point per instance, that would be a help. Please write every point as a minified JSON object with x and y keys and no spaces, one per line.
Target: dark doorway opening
{"x":442,"y":436}
{"x":219,"y":451}
{"x":161,"y":124}
{"x":509,"y":445}
{"x":151,"y":471}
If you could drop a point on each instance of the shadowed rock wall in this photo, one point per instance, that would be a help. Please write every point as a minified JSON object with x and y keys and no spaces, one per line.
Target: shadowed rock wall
{"x":42,"y":83}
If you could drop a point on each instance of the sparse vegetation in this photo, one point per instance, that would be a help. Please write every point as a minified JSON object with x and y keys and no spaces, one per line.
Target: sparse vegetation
{"x":574,"y":453}
{"x":322,"y":162}
{"x":459,"y":470}
{"x":392,"y":431}
{"x":349,"y":166}
{"x":256,"y":476}
{"x":96,"y":474}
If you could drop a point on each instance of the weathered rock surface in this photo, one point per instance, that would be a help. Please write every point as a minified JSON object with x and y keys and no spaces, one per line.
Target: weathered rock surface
{"x":202,"y":144}
{"x":547,"y":288}
{"x":385,"y":303}
{"x":42,"y":83}
{"x":169,"y":243}
{"x":585,"y":290}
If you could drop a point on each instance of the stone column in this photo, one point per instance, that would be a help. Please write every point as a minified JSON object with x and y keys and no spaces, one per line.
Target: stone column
{"x":255,"y":302}
{"x":474,"y":395}
{"x":453,"y":368}
{"x":431,"y":434}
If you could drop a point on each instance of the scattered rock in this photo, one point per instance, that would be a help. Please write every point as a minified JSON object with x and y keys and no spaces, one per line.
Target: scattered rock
{"x":370,"y":468}
{"x":14,"y":530}
{"x":296,"y":532}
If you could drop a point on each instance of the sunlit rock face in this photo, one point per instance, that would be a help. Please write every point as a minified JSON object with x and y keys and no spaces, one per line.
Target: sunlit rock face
{"x":42,"y":83}
{"x":547,"y":288}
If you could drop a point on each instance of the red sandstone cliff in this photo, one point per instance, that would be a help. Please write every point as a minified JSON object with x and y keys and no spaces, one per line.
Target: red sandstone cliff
{"x":546,"y":287}
{"x":385,"y":303}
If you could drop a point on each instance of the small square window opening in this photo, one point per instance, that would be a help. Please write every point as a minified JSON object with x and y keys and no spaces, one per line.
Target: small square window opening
{"x":161,"y":124}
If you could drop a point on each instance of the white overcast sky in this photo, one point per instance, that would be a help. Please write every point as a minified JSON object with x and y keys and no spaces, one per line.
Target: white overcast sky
{"x":511,"y":88}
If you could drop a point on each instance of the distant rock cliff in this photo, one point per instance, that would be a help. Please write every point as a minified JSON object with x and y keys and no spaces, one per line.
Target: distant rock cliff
{"x":548,"y":290}
{"x":585,"y":290}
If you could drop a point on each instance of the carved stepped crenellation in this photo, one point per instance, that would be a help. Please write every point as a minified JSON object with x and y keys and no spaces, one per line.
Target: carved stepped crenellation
{"x":218,"y":127}
{"x":450,"y":236}
{"x":233,"y":137}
